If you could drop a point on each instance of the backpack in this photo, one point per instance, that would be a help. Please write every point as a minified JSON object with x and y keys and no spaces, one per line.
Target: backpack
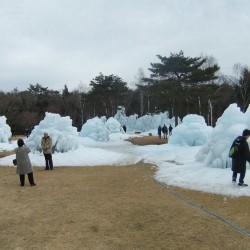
{"x":234,"y":150}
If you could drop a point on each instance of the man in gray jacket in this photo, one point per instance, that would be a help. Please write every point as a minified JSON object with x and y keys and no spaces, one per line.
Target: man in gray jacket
{"x":46,"y":144}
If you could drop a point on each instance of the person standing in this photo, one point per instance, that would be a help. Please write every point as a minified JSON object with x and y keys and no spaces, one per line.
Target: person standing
{"x":159,"y":131}
{"x":46,"y":144}
{"x":170,"y":129}
{"x":23,"y":163}
{"x":124,"y":128}
{"x":164,"y":131}
{"x":243,"y":155}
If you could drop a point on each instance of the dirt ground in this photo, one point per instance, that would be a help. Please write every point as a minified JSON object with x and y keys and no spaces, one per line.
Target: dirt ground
{"x":114,"y":207}
{"x":148,"y":140}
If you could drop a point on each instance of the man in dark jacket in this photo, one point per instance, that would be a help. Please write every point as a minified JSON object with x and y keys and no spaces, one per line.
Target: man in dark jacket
{"x":243,"y":155}
{"x":164,"y":131}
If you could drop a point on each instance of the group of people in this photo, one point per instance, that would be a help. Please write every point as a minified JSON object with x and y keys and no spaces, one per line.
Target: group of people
{"x":165,"y":131}
{"x":23,"y":162}
{"x":24,"y":165}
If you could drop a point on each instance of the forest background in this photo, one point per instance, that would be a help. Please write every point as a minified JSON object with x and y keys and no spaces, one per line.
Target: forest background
{"x":178,"y":84}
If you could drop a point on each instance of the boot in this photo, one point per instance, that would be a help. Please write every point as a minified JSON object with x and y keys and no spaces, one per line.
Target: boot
{"x":242,"y":184}
{"x":31,"y":179}
{"x":22,"y":179}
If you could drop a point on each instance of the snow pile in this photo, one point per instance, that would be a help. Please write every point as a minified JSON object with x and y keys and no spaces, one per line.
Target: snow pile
{"x":144,"y":123}
{"x":131,"y":122}
{"x":193,"y":131}
{"x":120,"y":116}
{"x":95,"y":129}
{"x":230,"y":125}
{"x":113,"y":125}
{"x":150,"y":122}
{"x":5,"y":131}
{"x":64,"y":135}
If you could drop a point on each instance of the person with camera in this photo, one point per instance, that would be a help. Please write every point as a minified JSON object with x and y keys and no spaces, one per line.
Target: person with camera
{"x":23,"y":163}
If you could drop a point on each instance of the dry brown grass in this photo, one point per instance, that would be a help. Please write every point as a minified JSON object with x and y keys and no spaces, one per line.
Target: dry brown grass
{"x":147,"y":140}
{"x":16,"y":137}
{"x":111,"y":207}
{"x":6,"y":153}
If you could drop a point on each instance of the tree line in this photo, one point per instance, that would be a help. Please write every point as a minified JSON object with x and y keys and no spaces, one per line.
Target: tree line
{"x":178,"y":84}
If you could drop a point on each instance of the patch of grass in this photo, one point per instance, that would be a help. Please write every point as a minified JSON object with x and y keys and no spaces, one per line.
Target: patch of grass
{"x":111,"y":207}
{"x":16,"y":137}
{"x":6,"y":153}
{"x":147,"y":140}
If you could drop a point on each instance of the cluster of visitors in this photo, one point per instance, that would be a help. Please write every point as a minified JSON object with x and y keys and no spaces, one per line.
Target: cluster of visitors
{"x":23,"y":163}
{"x":165,"y":131}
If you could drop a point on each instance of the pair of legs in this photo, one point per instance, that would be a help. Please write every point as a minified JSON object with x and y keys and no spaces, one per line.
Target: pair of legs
{"x":48,"y":161}
{"x":242,"y":176}
{"x":30,"y":177}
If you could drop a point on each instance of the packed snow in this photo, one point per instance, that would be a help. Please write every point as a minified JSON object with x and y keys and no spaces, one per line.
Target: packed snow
{"x":95,"y":129}
{"x":231,"y":124}
{"x":144,"y":123}
{"x":193,"y":131}
{"x":5,"y":131}
{"x":203,"y":166}
{"x":65,"y":136}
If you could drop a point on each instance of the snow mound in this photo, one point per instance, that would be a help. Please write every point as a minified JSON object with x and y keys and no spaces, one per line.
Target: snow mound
{"x":64,"y":135}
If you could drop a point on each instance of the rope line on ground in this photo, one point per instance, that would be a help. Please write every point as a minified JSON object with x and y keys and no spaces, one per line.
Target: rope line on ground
{"x":199,"y":206}
{"x":208,"y":211}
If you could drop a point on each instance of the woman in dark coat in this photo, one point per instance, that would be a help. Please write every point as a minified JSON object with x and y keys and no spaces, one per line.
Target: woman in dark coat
{"x":23,"y":163}
{"x":243,"y":155}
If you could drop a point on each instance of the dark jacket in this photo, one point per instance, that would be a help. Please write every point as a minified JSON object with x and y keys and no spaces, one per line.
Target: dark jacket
{"x":159,"y":130}
{"x":164,"y":129}
{"x":239,"y":162}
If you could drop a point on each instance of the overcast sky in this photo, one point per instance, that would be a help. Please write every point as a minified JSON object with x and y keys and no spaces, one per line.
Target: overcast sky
{"x":58,"y":42}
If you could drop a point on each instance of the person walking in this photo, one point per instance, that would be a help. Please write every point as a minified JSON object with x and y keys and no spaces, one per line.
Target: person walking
{"x":46,"y":144}
{"x":23,"y":163}
{"x":243,"y":155}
